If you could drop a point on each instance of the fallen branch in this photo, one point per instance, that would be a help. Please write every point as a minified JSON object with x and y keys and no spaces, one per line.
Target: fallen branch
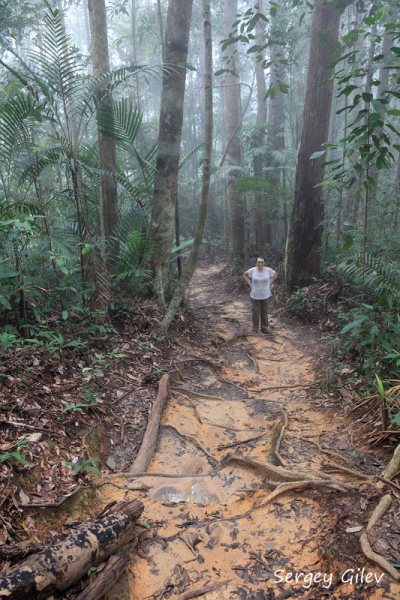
{"x":202,"y":591}
{"x":150,"y":437}
{"x":194,"y":441}
{"x":276,"y":443}
{"x":303,"y":485}
{"x":379,"y":511}
{"x":62,"y":565}
{"x":53,"y":504}
{"x":21,"y":550}
{"x":107,"y":577}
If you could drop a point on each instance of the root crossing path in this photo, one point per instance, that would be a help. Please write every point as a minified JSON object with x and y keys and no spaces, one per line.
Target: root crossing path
{"x":251,"y":511}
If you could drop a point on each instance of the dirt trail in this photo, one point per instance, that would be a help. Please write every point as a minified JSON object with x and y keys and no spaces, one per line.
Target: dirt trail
{"x":202,"y":532}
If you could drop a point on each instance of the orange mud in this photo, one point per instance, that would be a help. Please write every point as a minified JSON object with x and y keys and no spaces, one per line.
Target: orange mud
{"x":203,"y":526}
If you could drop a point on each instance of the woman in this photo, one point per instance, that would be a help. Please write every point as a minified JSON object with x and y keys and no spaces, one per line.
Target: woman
{"x":261,"y":279}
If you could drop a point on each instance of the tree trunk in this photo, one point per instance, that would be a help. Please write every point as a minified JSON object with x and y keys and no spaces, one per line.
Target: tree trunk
{"x":208,"y":142}
{"x":169,"y":141}
{"x":305,"y":228}
{"x":107,"y":148}
{"x":233,"y":133}
{"x":258,"y":139}
{"x":276,"y":143}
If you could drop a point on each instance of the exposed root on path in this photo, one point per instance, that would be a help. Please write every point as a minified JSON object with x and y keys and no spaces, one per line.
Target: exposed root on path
{"x":363,"y":476}
{"x":276,"y":443}
{"x":304,"y":485}
{"x":379,"y":511}
{"x":194,"y":441}
{"x":273,"y":473}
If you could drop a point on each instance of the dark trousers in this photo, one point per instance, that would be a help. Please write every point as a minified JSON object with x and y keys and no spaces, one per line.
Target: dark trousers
{"x":259,"y":308}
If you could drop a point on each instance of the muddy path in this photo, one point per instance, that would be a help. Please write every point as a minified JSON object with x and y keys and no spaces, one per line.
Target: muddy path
{"x":205,"y":527}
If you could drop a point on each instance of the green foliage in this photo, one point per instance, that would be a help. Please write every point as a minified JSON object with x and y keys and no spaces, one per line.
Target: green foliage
{"x":15,"y":456}
{"x":87,"y":465}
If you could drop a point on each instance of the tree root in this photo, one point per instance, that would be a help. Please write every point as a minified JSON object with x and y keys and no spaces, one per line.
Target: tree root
{"x":276,"y":442}
{"x":303,"y":485}
{"x":194,"y":440}
{"x":379,"y":511}
{"x":197,"y":395}
{"x":273,"y":473}
{"x":202,"y":591}
{"x":361,"y":475}
{"x":286,"y":387}
{"x":254,"y":361}
{"x":224,"y":446}
{"x":77,"y":489}
{"x":394,"y":465}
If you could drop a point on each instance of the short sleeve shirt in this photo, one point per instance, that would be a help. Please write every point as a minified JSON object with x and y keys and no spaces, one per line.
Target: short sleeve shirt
{"x":260,"y":283}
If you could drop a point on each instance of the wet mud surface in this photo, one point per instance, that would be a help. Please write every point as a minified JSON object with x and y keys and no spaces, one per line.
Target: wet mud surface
{"x":206,"y":523}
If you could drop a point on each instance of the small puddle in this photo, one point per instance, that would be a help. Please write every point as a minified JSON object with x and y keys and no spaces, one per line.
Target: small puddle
{"x":195,"y":494}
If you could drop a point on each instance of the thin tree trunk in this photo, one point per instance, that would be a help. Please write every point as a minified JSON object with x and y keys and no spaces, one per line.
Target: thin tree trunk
{"x":198,"y":239}
{"x":161,"y":28}
{"x":233,"y":132}
{"x":87,"y":25}
{"x":303,"y":248}
{"x":258,"y":140}
{"x":276,"y":144}
{"x":169,"y":141}
{"x":107,"y":147}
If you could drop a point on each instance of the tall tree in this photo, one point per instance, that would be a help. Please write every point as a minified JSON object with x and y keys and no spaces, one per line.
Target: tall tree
{"x":258,"y":139}
{"x":302,"y":261}
{"x":191,"y":263}
{"x":275,"y":139}
{"x":169,"y":140}
{"x":233,"y":132}
{"x":107,"y":147}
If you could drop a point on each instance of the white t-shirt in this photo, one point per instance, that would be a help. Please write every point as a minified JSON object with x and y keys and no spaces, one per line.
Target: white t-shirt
{"x":260,"y":283}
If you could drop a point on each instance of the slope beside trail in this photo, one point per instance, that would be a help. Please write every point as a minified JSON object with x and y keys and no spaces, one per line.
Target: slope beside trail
{"x":206,"y":531}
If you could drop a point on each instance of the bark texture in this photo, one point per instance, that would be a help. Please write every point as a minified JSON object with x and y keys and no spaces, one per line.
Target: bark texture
{"x":233,"y":133}
{"x":60,"y":566}
{"x":107,"y":147}
{"x":191,"y":263}
{"x":169,"y":141}
{"x":305,"y":229}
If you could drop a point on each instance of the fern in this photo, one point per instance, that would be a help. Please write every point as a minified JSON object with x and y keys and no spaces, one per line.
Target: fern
{"x":381,"y":278}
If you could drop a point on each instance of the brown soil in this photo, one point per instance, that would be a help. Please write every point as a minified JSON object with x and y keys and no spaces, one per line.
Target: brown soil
{"x":204,"y":527}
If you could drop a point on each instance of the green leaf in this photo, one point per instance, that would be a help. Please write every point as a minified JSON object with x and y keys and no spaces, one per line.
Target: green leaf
{"x":110,"y":463}
{"x":348,"y":242}
{"x":395,"y":112}
{"x":396,"y":419}
{"x":353,"y":325}
{"x":145,"y":525}
{"x":65,"y":314}
{"x":380,"y":386}
{"x":5,"y":302}
{"x":317,"y":154}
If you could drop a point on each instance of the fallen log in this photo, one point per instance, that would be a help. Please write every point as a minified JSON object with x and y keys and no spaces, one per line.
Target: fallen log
{"x":62,"y":565}
{"x":145,"y":453}
{"x":105,"y":580}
